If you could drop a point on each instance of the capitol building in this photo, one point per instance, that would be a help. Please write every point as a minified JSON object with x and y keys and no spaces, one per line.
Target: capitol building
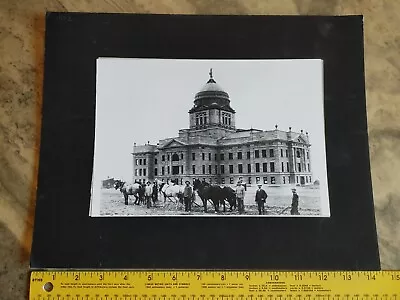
{"x":214,"y":150}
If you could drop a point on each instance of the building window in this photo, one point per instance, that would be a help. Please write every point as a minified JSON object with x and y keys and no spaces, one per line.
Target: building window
{"x":271,"y":153}
{"x":283,"y":179}
{"x":257,"y":180}
{"x":175,"y":170}
{"x":209,"y":156}
{"x":264,"y":153}
{"x":306,"y":179}
{"x":209,"y":169}
{"x":222,"y":169}
{"x":215,"y":156}
{"x":136,"y":162}
{"x":239,"y":155}
{"x":193,"y":156}
{"x":140,"y":172}
{"x":281,"y":152}
{"x":230,"y":155}
{"x":162,"y":170}
{"x":248,"y":154}
{"x":265,"y":168}
{"x":310,"y":178}
{"x":136,"y":172}
{"x":249,"y":181}
{"x":216,"y":170}
{"x":299,"y":167}
{"x":223,"y":180}
{"x":155,"y":161}
{"x":203,"y":156}
{"x":249,"y":168}
{"x":168,"y":170}
{"x":230,"y":169}
{"x":257,"y":167}
{"x":140,"y":161}
{"x":144,"y":172}
{"x":155,"y":172}
{"x":257,"y":153}
{"x":222,"y":156}
{"x":272,"y":180}
{"x":297,"y":179}
{"x":308,"y":166}
{"x":287,"y":153}
{"x":175,"y":157}
{"x":240,"y":168}
{"x":163,"y":157}
{"x":181,"y":169}
{"x":298,"y":154}
{"x":283,"y":169}
{"x":287,"y":167}
{"x":204,"y":169}
{"x":272,"y":166}
{"x":144,"y":161}
{"x":265,"y":179}
{"x":193,"y":169}
{"x":181,"y":155}
{"x":308,"y":155}
{"x":168,"y":157}
{"x":231,"y":180}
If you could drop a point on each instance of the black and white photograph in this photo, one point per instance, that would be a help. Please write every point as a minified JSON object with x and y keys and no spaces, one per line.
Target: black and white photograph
{"x":180,"y":137}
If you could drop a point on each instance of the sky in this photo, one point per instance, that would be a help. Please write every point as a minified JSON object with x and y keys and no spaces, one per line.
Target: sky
{"x":141,"y":100}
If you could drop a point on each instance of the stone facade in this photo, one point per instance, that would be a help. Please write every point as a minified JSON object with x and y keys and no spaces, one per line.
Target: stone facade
{"x":212,"y":149}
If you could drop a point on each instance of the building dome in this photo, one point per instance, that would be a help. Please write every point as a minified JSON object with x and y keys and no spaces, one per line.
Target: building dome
{"x":211,"y":93}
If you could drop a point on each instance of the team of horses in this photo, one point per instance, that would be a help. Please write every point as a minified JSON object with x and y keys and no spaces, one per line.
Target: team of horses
{"x":217,"y":195}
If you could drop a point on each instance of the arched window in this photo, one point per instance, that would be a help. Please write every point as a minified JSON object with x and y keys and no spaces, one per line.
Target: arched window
{"x":175,"y":157}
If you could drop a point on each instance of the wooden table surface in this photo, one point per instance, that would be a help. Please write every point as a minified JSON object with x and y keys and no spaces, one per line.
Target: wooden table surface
{"x":21,"y":74}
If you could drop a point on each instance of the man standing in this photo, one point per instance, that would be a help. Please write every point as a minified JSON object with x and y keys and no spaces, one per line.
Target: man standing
{"x":155,"y":193}
{"x":261,"y":197}
{"x":148,"y":193}
{"x":187,"y":196}
{"x":295,"y":203}
{"x":240,"y":196}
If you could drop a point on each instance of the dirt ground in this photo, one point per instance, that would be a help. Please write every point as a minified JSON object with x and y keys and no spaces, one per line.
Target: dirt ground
{"x":278,"y":203}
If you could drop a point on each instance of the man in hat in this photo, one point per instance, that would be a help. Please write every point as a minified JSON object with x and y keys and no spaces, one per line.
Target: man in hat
{"x":261,"y":197}
{"x":240,"y":196}
{"x":295,"y":203}
{"x":187,"y":196}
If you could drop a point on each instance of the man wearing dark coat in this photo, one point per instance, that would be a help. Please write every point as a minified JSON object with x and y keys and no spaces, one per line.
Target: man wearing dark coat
{"x":187,"y":196}
{"x":295,"y":203}
{"x":261,"y":197}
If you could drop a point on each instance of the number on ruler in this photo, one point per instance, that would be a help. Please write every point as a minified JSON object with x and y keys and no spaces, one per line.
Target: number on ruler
{"x":371,"y":277}
{"x":323,"y":277}
{"x":396,"y":277}
{"x":274,"y":277}
{"x":298,"y":277}
{"x":347,"y":276}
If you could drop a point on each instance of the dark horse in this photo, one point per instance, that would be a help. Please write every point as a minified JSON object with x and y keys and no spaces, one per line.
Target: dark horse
{"x":215,"y":193}
{"x":134,"y":189}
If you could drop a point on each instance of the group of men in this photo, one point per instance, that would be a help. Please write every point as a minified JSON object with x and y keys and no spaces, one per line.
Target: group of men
{"x":261,"y":198}
{"x":151,"y":193}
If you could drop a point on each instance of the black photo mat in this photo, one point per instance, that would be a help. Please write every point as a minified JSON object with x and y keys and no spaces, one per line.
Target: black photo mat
{"x":66,"y":237}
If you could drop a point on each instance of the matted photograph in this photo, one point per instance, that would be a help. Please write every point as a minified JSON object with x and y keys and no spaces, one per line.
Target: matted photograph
{"x":234,"y":138}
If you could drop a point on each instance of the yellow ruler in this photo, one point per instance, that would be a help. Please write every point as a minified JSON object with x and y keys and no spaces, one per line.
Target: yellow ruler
{"x":214,"y":285}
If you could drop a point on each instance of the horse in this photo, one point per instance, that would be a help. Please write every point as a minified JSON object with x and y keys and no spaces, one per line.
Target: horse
{"x":134,"y":189}
{"x":173,"y":190}
{"x":229,"y":195}
{"x":209,"y":192}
